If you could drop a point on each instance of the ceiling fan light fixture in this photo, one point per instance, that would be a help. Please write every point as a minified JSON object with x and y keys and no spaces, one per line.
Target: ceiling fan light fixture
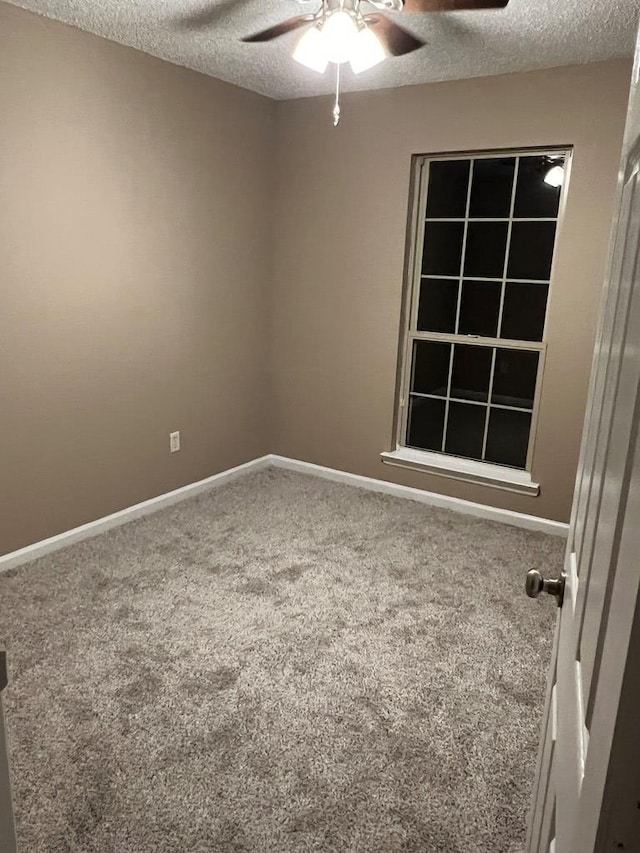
{"x":555,"y":176}
{"x":340,"y":32}
{"x":311,"y":50}
{"x":366,"y":51}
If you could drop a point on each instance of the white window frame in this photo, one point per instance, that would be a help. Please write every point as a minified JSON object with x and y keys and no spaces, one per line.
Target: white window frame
{"x":440,"y":463}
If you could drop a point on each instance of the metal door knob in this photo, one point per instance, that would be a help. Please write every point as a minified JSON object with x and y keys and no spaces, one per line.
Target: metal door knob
{"x":535,"y":584}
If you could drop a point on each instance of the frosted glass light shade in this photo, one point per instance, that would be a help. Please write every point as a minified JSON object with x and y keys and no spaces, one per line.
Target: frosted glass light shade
{"x":366,"y":51}
{"x":340,"y":33}
{"x":555,"y":176}
{"x":311,"y":50}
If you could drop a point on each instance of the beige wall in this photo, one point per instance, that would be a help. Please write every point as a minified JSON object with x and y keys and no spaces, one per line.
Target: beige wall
{"x":341,"y":216}
{"x":133,"y":281}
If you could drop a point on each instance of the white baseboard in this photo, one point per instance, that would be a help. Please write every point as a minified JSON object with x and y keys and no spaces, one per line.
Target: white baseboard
{"x":100,"y":525}
{"x":93,"y":528}
{"x":506,"y":516}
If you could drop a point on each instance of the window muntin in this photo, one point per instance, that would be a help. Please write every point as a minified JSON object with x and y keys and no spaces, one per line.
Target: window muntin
{"x":483,"y":251}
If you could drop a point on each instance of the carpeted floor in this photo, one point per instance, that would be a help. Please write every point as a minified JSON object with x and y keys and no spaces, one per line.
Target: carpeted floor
{"x":284,"y":664}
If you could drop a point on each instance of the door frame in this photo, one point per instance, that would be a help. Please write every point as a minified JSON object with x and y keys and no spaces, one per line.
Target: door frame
{"x":8,"y":843}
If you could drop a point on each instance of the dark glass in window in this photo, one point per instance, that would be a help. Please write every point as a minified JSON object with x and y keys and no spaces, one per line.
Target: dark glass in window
{"x":437,"y":305}
{"x":531,"y":250}
{"x":430,"y":367}
{"x":484,"y":256}
{"x":442,"y":250}
{"x":448,"y":186}
{"x":514,"y":378}
{"x":533,"y":197}
{"x":524,"y":311}
{"x":465,"y":430}
{"x":471,"y":372}
{"x":426,"y":421}
{"x":491,"y":187}
{"x":508,"y":437}
{"x":479,"y":308}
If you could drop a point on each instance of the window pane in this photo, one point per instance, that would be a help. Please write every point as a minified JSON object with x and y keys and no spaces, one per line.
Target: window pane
{"x":531,"y":250}
{"x":479,"y":308}
{"x":491,"y":187}
{"x":448,"y":184}
{"x":430,"y":368}
{"x":508,"y":437}
{"x":442,"y":251}
{"x":524,"y":311}
{"x":437,"y":305}
{"x":514,"y":380}
{"x":465,"y":430}
{"x":534,"y":197}
{"x":471,"y":372}
{"x":486,"y":242}
{"x":426,"y":420}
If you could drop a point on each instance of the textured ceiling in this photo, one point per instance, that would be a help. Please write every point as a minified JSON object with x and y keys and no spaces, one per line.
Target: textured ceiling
{"x":528,"y":34}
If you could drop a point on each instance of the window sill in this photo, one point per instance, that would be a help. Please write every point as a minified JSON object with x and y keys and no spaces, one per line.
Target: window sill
{"x":467,"y":470}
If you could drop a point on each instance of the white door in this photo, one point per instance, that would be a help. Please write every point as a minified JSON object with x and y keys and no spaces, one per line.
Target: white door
{"x":572,"y":809}
{"x":7,"y":831}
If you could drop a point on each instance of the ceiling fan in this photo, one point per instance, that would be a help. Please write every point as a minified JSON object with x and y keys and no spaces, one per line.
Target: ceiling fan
{"x":361,"y":38}
{"x":354,"y":31}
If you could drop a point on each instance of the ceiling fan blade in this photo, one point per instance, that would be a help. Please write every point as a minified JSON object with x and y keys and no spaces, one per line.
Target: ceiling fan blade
{"x":452,"y":5}
{"x":395,"y":39}
{"x":280,"y":29}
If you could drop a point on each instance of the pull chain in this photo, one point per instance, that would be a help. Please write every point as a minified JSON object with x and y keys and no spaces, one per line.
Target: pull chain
{"x":336,"y":106}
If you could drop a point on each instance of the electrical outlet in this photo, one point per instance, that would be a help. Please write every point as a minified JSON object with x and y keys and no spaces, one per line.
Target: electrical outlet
{"x":174,"y":441}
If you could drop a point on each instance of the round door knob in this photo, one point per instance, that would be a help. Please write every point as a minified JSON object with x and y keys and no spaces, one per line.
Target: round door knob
{"x":535,"y":584}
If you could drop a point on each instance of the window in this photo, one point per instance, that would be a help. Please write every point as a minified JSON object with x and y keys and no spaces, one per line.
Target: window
{"x":473,"y":356}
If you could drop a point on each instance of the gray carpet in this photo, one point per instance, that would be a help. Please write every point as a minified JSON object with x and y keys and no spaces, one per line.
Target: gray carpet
{"x":284,"y":664}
